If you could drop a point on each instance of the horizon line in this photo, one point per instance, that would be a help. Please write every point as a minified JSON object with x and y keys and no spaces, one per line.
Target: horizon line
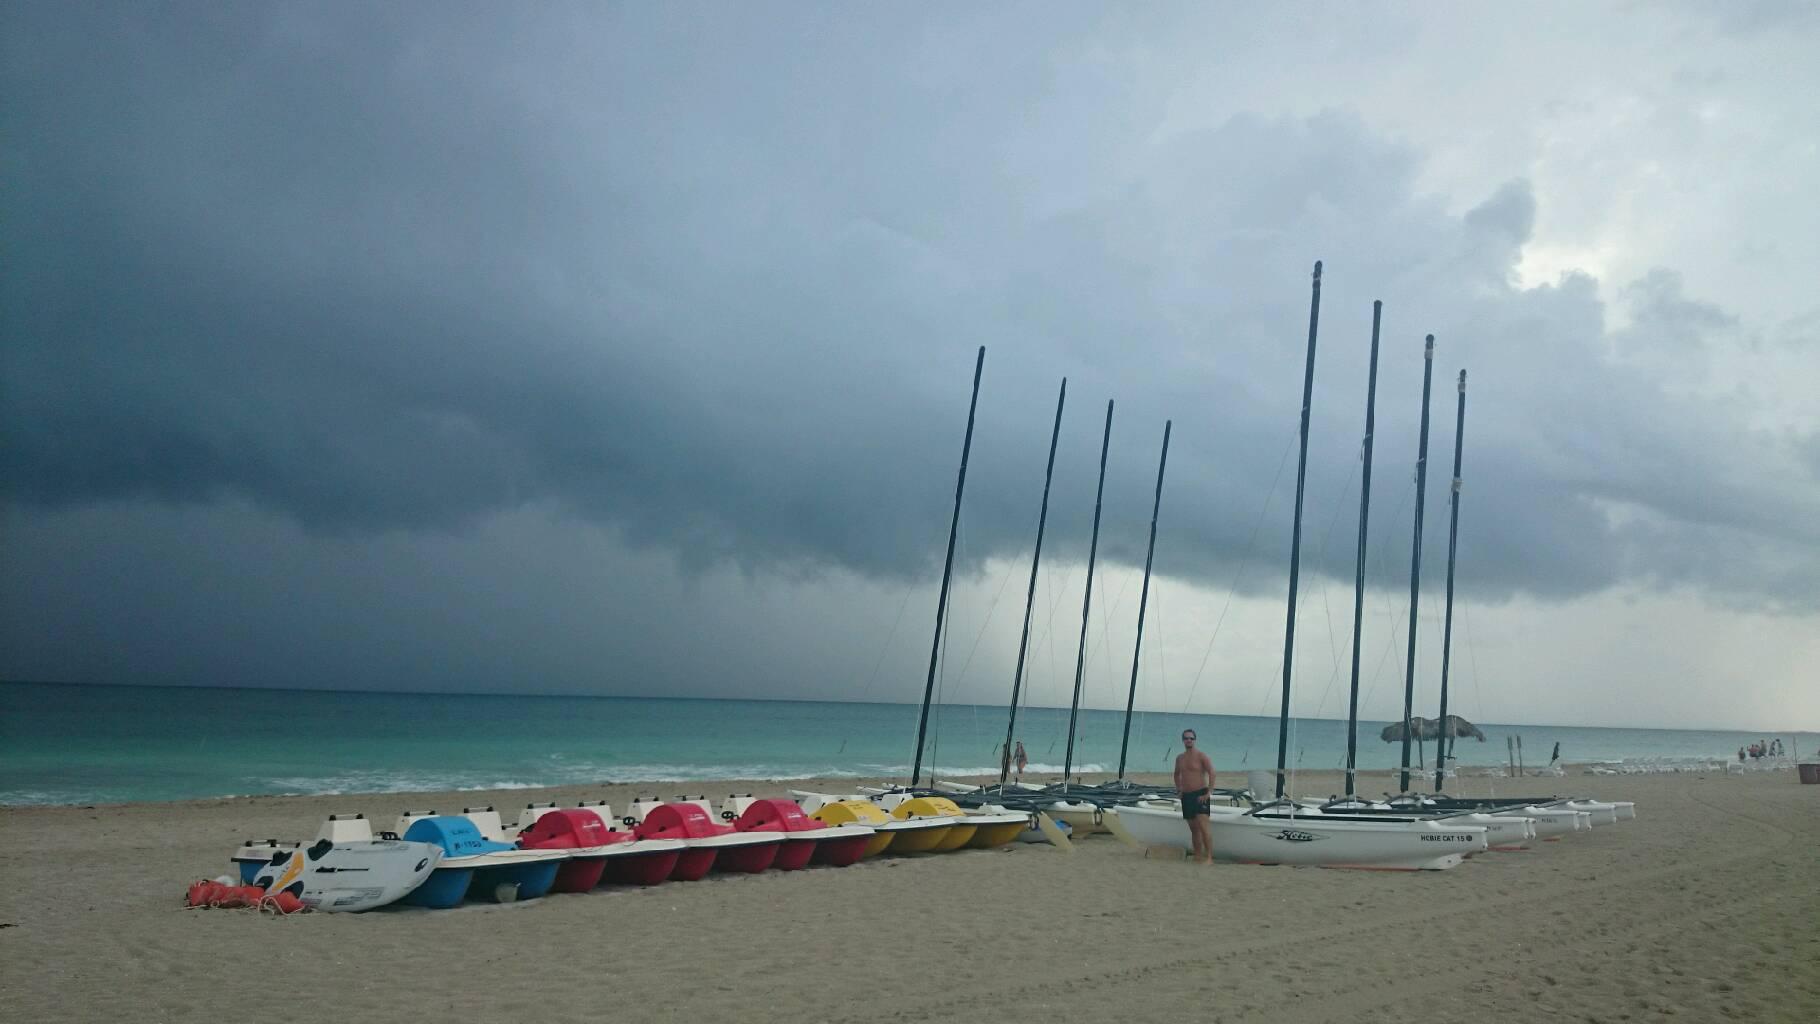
{"x":806,"y":700}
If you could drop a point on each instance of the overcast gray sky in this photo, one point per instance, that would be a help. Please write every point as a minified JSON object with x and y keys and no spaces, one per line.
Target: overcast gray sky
{"x":625,"y":349}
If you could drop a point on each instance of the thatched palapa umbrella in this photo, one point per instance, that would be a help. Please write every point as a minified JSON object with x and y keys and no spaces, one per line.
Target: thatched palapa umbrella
{"x":1430,"y":728}
{"x":1424,"y":729}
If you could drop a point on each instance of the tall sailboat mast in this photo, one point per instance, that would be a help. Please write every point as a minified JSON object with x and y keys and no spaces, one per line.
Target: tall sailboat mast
{"x":941,"y":605}
{"x":1358,"y":589}
{"x":1023,"y":643}
{"x":1453,"y":536}
{"x":1093,"y":547}
{"x":1295,"y":537}
{"x":1144,"y":598}
{"x":1415,"y":560}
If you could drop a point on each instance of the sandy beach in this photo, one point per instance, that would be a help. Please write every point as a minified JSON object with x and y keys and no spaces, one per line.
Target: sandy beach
{"x":1703,"y":909}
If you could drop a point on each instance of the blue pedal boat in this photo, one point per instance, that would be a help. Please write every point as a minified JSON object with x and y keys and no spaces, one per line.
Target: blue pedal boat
{"x":473,"y":865}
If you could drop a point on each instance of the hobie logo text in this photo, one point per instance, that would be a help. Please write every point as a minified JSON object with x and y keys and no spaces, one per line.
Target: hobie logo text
{"x":1290,"y":835}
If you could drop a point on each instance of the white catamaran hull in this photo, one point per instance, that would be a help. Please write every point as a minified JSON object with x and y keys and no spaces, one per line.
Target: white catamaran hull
{"x":1504,"y":830}
{"x":1602,"y":813}
{"x":1551,"y":822}
{"x":1082,"y":818}
{"x":1311,"y":841}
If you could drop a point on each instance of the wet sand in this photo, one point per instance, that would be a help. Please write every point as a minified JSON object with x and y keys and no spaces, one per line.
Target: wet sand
{"x":1704,"y":909}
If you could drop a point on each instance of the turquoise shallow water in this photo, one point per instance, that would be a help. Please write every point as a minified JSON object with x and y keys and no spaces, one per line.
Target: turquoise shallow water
{"x":95,"y":744}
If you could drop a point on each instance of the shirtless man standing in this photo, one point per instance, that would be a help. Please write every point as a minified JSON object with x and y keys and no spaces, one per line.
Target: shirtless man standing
{"x":1194,"y":781}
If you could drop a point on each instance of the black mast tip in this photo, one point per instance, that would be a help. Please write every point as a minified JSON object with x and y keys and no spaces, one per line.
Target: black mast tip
{"x":941,"y":604}
{"x":1317,"y":270}
{"x":1462,"y":382}
{"x":1036,"y":558}
{"x":1093,"y":547}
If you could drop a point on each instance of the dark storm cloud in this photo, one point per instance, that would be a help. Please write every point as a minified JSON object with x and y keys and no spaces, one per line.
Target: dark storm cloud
{"x":715,"y":281}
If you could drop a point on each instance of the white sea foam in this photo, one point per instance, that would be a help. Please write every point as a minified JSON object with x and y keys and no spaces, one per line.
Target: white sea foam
{"x":386,"y":782}
{"x":595,"y":773}
{"x":1033,"y":768}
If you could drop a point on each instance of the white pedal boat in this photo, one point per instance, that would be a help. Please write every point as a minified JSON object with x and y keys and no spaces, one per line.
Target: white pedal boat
{"x":345,"y":870}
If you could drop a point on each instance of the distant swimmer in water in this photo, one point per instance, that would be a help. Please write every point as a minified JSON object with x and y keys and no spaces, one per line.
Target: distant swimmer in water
{"x":1194,"y":782}
{"x":1021,"y":758}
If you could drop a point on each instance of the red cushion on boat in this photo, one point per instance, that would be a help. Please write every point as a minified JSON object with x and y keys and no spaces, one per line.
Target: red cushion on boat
{"x":776,"y":816}
{"x":680,"y":821}
{"x":570,"y":830}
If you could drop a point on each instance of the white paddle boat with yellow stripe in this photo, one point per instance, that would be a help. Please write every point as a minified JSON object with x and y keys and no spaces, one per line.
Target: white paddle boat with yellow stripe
{"x":346,"y":869}
{"x":905,"y":833}
{"x":990,"y":828}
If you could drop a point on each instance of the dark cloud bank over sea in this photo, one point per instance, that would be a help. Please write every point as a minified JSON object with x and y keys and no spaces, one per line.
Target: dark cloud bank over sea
{"x":715,"y":287}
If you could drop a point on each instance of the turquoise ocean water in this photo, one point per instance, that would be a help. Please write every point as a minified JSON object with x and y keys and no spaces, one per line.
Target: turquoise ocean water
{"x":104,"y":744}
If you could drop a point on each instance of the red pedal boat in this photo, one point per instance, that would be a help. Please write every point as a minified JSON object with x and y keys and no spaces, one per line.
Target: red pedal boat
{"x":806,"y":841}
{"x":708,"y":845}
{"x":598,"y":851}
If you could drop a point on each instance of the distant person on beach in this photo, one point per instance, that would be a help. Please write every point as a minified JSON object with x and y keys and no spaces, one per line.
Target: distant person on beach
{"x":1740,"y":755}
{"x":1194,"y":782}
{"x":1021,"y":758}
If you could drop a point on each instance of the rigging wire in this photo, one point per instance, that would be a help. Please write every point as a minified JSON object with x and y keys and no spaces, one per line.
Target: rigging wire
{"x":1396,"y":613}
{"x":870,"y":689}
{"x":1472,"y":658}
{"x":867,"y":690}
{"x":1333,"y":647}
{"x":1105,"y":648}
{"x":1004,"y":582}
{"x":1240,"y":570}
{"x":1055,"y":602}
